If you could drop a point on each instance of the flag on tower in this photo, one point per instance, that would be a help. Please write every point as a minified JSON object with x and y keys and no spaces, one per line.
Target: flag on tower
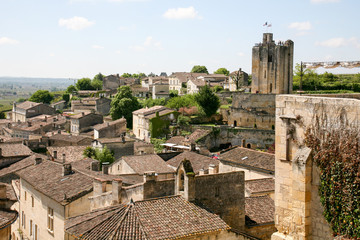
{"x":265,"y":24}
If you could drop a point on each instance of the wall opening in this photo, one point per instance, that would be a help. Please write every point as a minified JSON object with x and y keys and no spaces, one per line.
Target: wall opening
{"x":270,"y":87}
{"x":243,"y":143}
{"x":235,"y":123}
{"x":248,"y":145}
{"x":181,"y":181}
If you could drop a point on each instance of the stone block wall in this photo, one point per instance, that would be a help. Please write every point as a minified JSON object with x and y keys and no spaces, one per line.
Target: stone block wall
{"x":298,"y":211}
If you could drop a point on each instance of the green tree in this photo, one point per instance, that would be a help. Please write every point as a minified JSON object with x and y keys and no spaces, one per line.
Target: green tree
{"x":96,"y":84}
{"x":2,"y":115}
{"x":104,"y":155}
{"x":157,"y":144}
{"x":99,"y":77}
{"x":84,"y":84}
{"x":42,"y":96}
{"x":199,"y":69}
{"x":173,"y":93}
{"x":126,"y":75}
{"x":207,"y":100}
{"x":71,"y":89}
{"x":153,"y":102}
{"x":123,"y":104}
{"x":66,"y":97}
{"x":89,"y":152}
{"x":178,"y":102}
{"x":222,"y":71}
{"x":183,"y":120}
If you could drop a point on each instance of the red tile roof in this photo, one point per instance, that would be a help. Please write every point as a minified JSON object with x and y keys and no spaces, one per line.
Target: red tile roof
{"x":145,"y":163}
{"x":160,"y":218}
{"x":7,"y":217}
{"x":259,"y":210}
{"x":263,"y":185}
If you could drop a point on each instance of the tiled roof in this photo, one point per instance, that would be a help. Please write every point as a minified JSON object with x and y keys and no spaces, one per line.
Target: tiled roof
{"x":161,"y":113}
{"x":24,"y":163}
{"x":197,"y":134}
{"x":249,"y":157}
{"x":197,"y":161}
{"x":145,"y":111}
{"x":7,"y":217}
{"x":178,"y":140}
{"x":27,"y":104}
{"x":68,"y":138}
{"x":7,"y":139}
{"x":198,"y":82}
{"x":47,"y":178}
{"x":145,"y":163}
{"x":113,"y":140}
{"x":259,"y":210}
{"x":72,"y":153}
{"x":185,"y":76}
{"x":14,"y":150}
{"x":10,"y":193}
{"x":107,"y":124}
{"x":160,"y":218}
{"x":260,"y":185}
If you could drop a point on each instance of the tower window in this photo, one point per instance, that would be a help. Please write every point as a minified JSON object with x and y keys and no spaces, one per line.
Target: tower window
{"x":270,"y":58}
{"x":265,"y":74}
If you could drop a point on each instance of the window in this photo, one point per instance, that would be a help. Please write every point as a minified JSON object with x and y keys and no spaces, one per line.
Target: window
{"x":50,"y":220}
{"x":25,"y":196}
{"x":32,"y":201}
{"x":35,"y":232}
{"x":217,"y":191}
{"x":31,"y":228}
{"x":22,"y":219}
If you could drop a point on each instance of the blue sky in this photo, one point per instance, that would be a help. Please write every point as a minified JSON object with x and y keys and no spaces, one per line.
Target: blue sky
{"x":79,"y":38}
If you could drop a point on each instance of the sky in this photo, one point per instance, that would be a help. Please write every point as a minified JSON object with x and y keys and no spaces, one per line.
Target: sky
{"x":80,"y":38}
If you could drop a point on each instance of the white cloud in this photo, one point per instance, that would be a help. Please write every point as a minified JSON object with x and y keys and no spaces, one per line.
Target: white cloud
{"x":240,"y":54}
{"x":97,"y":47}
{"x":6,"y":40}
{"x":75,"y":23}
{"x":301,"y":26}
{"x":182,"y":13}
{"x":333,"y":42}
{"x":148,"y":43}
{"x":324,"y":1}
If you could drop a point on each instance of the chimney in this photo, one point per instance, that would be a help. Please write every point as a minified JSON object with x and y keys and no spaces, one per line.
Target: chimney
{"x":29,"y":124}
{"x":82,"y":114}
{"x":123,"y":138}
{"x":45,"y":120}
{"x":201,"y":172}
{"x":66,"y":169}
{"x":95,"y":166}
{"x":105,"y":168}
{"x":192,"y":147}
{"x":38,"y":161}
{"x":116,"y":191}
{"x":64,"y":158}
{"x":55,"y":154}
{"x":150,"y":176}
{"x":59,"y":131}
{"x":3,"y":191}
{"x":212,"y":169}
{"x":99,"y":187}
{"x":107,"y":124}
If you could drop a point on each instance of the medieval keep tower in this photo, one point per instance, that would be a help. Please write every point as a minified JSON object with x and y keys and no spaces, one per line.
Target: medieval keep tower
{"x":272,"y":66}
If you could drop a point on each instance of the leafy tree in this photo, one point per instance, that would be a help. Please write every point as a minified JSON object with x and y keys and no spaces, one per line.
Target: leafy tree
{"x":84,"y":84}
{"x":173,"y":93}
{"x":42,"y":96}
{"x":96,"y":84}
{"x":99,"y":77}
{"x":151,"y":74}
{"x":199,"y":69}
{"x":89,"y":152}
{"x":123,"y":104}
{"x":2,"y":115}
{"x":222,"y":71}
{"x":153,"y":102}
{"x":157,"y":144}
{"x":104,"y":155}
{"x":237,"y":78}
{"x":178,"y":102}
{"x":207,"y":100}
{"x":126,"y":75}
{"x":183,"y":120}
{"x":66,"y":97}
{"x":71,"y":89}
{"x":217,"y":89}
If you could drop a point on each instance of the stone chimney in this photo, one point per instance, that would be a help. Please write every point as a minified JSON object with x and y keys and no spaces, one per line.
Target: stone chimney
{"x":150,"y":176}
{"x":107,"y":124}
{"x":95,"y":166}
{"x":99,"y":186}
{"x":105,"y":168}
{"x":116,"y":191}
{"x":63,"y":158}
{"x":201,"y":172}
{"x":192,"y":147}
{"x":55,"y":154}
{"x":3,"y":191}
{"x":82,"y":114}
{"x":46,"y":118}
{"x":38,"y":161}
{"x":213,"y":169}
{"x":66,"y":169}
{"x":28,"y":123}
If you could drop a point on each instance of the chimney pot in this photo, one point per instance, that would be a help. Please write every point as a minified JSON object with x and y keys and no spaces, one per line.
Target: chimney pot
{"x":66,"y":169}
{"x":201,"y":172}
{"x":63,"y":157}
{"x":212,"y":169}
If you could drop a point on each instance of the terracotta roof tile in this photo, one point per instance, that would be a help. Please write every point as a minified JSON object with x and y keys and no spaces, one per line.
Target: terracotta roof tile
{"x":197,"y":161}
{"x":150,"y":162}
{"x":249,"y":157}
{"x":259,"y":210}
{"x":260,"y":185}
{"x":72,"y":153}
{"x":161,"y":218}
{"x":47,"y":178}
{"x":27,"y":104}
{"x":24,"y":163}
{"x":178,"y":140}
{"x":197,"y":134}
{"x":14,"y":150}
{"x":7,"y":217}
{"x":107,"y":124}
{"x":68,"y":138}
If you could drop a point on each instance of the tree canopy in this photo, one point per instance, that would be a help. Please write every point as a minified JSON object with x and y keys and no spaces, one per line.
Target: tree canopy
{"x":71,"y":89}
{"x":42,"y":96}
{"x":123,"y":104}
{"x":222,"y":71}
{"x":178,"y":102}
{"x":207,"y":100}
{"x":84,"y":84}
{"x":99,"y":77}
{"x":199,"y":69}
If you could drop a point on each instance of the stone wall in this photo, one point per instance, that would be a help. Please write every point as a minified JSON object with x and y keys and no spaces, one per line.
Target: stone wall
{"x":263,"y":232}
{"x":298,"y":212}
{"x":159,"y":188}
{"x":228,"y":202}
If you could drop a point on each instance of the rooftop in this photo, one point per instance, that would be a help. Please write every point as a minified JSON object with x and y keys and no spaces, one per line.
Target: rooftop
{"x":14,"y":150}
{"x":72,"y":153}
{"x":160,"y":218}
{"x":145,"y":163}
{"x":46,"y":177}
{"x":24,"y":163}
{"x":262,"y":185}
{"x":259,"y":210}
{"x":68,"y":138}
{"x":27,"y":105}
{"x":108,"y":124}
{"x":7,"y":217}
{"x":197,"y":161}
{"x":249,"y":157}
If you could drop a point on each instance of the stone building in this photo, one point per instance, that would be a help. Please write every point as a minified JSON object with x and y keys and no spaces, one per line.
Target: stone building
{"x":160,"y":89}
{"x":99,"y":105}
{"x":272,"y":66}
{"x":84,"y":122}
{"x":178,"y":80}
{"x":23,"y":111}
{"x":120,"y":146}
{"x":243,"y":80}
{"x":61,"y":140}
{"x":13,"y":152}
{"x":113,"y":129}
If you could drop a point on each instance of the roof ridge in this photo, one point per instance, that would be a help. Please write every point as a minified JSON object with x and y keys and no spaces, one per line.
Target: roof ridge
{"x":128,"y":207}
{"x":157,"y":198}
{"x":258,"y":179}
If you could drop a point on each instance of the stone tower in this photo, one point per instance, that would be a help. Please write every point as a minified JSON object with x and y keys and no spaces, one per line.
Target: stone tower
{"x":272,"y":66}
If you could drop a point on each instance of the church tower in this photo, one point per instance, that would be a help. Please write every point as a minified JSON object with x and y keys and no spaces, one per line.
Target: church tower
{"x":272,"y":66}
